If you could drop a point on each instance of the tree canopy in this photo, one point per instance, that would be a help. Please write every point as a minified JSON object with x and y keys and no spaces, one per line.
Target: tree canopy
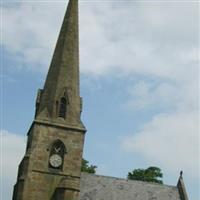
{"x":88,"y":168}
{"x":151,"y":174}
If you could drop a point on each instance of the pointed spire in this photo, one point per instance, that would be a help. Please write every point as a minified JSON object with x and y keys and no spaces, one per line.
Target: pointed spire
{"x":63,"y":77}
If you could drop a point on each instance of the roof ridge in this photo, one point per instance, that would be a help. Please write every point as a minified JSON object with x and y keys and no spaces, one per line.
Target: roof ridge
{"x":128,"y":180}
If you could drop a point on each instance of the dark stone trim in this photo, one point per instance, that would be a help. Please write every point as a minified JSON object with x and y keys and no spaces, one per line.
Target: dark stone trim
{"x":69,"y":188}
{"x":56,"y":125}
{"x":30,"y":128}
{"x":58,"y":174}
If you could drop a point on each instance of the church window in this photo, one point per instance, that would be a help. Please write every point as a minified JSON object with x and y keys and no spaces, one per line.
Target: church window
{"x":63,"y":107}
{"x":57,"y":153}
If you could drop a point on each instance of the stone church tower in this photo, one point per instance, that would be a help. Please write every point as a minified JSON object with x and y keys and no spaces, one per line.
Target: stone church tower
{"x":51,"y":167}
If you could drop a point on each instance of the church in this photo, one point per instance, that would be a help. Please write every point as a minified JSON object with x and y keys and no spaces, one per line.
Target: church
{"x":51,"y":166}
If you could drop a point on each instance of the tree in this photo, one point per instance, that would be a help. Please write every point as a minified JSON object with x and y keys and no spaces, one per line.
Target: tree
{"x":151,"y":174}
{"x":88,"y":168}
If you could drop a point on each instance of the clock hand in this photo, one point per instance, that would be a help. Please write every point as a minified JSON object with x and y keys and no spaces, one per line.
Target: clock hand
{"x":57,"y":149}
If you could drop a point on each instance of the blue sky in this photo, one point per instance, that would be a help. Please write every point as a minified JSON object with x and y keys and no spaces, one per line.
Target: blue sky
{"x":139,"y":82}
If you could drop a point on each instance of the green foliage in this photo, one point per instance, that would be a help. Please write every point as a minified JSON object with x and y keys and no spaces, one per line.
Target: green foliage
{"x":151,"y":174}
{"x":88,"y":168}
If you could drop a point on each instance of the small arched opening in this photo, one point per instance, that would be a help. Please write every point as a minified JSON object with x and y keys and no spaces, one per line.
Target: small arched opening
{"x":63,"y":107}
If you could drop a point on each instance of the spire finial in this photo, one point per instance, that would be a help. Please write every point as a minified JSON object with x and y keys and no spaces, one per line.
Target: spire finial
{"x":181,"y":174}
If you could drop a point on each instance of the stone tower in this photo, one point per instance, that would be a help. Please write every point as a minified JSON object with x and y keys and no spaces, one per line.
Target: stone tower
{"x":51,"y":167}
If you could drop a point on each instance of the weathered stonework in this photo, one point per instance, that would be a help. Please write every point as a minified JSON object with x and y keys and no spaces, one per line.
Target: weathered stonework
{"x":39,"y":181}
{"x":57,"y":119}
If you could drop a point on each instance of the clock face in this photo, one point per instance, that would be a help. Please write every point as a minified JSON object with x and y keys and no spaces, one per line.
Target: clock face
{"x":55,"y":160}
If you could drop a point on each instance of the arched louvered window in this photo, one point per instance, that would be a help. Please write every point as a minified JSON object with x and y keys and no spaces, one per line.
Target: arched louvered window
{"x":63,"y":108}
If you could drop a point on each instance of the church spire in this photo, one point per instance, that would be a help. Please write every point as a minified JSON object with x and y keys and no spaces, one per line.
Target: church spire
{"x":56,"y":137}
{"x":60,"y":96}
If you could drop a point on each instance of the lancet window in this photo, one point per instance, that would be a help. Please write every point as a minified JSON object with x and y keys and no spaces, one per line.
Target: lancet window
{"x":63,"y":108}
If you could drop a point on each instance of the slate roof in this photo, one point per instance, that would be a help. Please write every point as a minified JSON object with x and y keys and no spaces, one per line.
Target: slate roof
{"x":94,"y":187}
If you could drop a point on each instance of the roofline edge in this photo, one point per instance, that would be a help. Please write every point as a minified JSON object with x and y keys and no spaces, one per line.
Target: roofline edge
{"x":182,"y":189}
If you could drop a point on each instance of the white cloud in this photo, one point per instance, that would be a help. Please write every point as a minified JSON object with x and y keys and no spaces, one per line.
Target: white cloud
{"x":170,"y":140}
{"x":13,"y":148}
{"x":164,"y":94}
{"x":145,"y":38}
{"x":30,"y":31}
{"x":145,"y":95}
